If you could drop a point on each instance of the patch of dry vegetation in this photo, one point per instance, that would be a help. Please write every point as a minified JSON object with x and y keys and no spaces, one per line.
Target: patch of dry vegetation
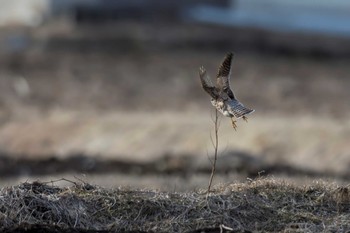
{"x":263,"y":205}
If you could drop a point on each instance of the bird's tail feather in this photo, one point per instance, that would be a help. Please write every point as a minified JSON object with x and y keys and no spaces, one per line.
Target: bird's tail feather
{"x":240,"y":111}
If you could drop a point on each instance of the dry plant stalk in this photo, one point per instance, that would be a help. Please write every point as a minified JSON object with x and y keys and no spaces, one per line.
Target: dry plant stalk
{"x":216,"y":147}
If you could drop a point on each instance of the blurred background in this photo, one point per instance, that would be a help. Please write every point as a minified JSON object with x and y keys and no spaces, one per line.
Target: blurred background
{"x":108,"y":91}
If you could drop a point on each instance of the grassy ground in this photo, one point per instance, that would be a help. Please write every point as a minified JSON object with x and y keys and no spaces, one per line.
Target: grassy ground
{"x":257,"y":205}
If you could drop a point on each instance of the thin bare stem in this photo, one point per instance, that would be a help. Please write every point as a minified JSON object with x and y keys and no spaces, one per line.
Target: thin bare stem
{"x":216,"y":146}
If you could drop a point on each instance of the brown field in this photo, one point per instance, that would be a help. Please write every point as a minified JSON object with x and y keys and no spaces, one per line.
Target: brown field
{"x":125,"y":109}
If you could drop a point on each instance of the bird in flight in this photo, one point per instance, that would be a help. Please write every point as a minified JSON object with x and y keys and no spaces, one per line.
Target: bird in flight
{"x":222,"y":95}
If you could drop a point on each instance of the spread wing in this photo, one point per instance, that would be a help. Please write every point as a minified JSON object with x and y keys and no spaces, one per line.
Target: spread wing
{"x":223,"y":76}
{"x":207,"y":83}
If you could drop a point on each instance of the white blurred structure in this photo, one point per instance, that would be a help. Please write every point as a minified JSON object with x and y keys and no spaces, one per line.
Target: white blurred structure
{"x":34,"y":12}
{"x":23,"y":12}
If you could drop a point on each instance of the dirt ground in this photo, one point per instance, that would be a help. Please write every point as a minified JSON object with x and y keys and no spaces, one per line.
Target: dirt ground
{"x":75,"y":100}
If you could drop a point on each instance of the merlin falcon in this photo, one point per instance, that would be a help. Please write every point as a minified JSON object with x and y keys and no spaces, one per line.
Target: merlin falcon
{"x":222,"y":95}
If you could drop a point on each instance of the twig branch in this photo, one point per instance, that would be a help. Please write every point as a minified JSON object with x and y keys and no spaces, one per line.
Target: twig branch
{"x":216,"y":146}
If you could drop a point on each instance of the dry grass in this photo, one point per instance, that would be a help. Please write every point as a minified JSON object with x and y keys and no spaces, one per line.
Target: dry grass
{"x":263,"y":205}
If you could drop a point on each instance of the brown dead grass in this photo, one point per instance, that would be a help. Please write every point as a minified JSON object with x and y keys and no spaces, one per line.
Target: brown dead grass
{"x":259,"y":205}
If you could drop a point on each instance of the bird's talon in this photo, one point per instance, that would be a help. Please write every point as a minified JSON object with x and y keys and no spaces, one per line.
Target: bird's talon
{"x":234,"y":124}
{"x":245,"y":119}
